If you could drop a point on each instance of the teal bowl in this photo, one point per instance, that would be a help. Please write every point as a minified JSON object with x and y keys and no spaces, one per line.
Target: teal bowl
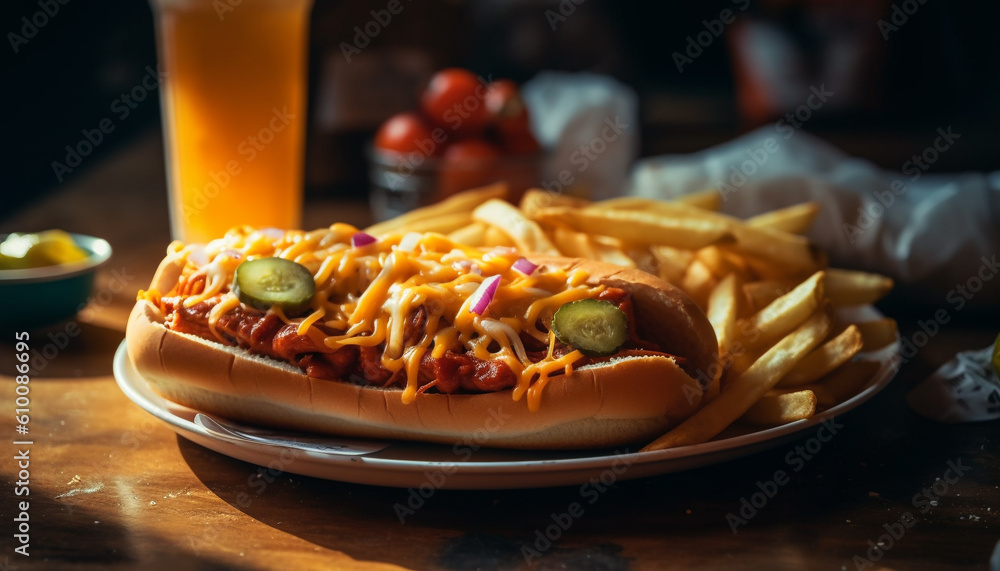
{"x":38,"y":297}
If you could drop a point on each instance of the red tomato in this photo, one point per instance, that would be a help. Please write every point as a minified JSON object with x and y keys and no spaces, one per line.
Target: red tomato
{"x":406,"y":133}
{"x":470,"y":150}
{"x":467,"y":164}
{"x":455,"y":100}
{"x":520,"y":143}
{"x":510,"y":117}
{"x":503,"y":100}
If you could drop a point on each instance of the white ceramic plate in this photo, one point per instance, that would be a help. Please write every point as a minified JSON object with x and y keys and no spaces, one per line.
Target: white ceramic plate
{"x":411,"y":465}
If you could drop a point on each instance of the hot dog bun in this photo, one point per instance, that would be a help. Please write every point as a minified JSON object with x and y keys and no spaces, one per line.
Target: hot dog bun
{"x":626,"y":400}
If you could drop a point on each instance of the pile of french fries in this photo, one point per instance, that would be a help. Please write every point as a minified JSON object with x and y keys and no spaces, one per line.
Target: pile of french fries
{"x":786,"y":351}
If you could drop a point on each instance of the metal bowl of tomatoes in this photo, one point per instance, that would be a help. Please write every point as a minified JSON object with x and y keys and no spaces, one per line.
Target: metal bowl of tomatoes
{"x":468,"y":132}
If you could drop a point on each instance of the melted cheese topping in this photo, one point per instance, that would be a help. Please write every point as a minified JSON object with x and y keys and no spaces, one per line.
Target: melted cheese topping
{"x":371,"y":292}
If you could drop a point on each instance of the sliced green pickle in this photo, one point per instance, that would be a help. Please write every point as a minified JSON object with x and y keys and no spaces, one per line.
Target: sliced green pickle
{"x":596,"y":327}
{"x":267,"y":282}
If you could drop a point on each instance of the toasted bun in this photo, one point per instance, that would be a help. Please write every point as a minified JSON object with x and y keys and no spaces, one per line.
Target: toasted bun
{"x":626,"y":400}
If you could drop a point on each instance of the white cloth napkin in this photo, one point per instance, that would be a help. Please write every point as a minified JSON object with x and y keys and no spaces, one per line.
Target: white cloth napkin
{"x":930,"y":232}
{"x":962,"y":390}
{"x":590,"y":125}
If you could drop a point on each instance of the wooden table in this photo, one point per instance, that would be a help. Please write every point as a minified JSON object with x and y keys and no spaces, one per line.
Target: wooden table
{"x":113,"y":488}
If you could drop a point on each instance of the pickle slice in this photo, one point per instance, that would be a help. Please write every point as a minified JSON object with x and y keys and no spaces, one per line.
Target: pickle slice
{"x":267,"y":282}
{"x":596,"y":327}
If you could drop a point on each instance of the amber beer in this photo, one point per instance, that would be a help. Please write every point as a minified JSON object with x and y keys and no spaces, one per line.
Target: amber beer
{"x":233,"y":112}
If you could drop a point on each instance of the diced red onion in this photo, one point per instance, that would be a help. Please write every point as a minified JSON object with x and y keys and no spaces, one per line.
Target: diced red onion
{"x":197,"y":255}
{"x":273,"y":233}
{"x":484,"y":295}
{"x":524,"y":266}
{"x":362,"y":239}
{"x":231,"y":253}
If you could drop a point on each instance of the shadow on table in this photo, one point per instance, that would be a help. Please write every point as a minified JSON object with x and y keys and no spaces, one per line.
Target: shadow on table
{"x":70,"y":349}
{"x":832,"y":497}
{"x":593,"y":526}
{"x":67,"y":531}
{"x":447,"y":530}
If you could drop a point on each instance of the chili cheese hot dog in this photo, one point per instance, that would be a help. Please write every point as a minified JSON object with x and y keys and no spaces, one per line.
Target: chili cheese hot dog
{"x":415,"y":337}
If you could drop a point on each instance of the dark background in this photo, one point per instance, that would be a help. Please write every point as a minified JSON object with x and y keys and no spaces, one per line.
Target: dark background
{"x":938,"y":69}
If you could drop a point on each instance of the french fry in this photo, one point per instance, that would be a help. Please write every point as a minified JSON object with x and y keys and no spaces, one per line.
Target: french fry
{"x":762,"y":329}
{"x":792,"y":253}
{"x":572,"y":243}
{"x":443,"y":224}
{"x":698,"y":283}
{"x":716,"y":261}
{"x":627,"y":203}
{"x":722,"y":309}
{"x":640,"y":226}
{"x":843,"y":383}
{"x":642,"y":256}
{"x":739,"y":264}
{"x":825,"y":359}
{"x":662,"y":209}
{"x":878,"y":333}
{"x":580,"y":245}
{"x":773,"y":410}
{"x":761,"y":293}
{"x":472,"y":235}
{"x":743,"y":392}
{"x":671,"y":262}
{"x":463,"y":202}
{"x":793,"y":219}
{"x":705,"y":199}
{"x":497,"y":237}
{"x":536,"y":199}
{"x":526,"y":234}
{"x":786,"y":312}
{"x":771,"y":271}
{"x":847,"y":287}
{"x":607,"y":249}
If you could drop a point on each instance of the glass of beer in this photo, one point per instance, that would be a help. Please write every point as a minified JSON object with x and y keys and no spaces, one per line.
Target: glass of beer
{"x":234,"y":109}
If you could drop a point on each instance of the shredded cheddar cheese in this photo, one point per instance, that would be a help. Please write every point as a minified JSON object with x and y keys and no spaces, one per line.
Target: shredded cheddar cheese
{"x":308,"y":322}
{"x":368,"y":295}
{"x":228,"y":303}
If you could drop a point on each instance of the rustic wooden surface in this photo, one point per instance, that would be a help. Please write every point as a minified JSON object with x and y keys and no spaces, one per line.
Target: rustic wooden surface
{"x":113,"y":488}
